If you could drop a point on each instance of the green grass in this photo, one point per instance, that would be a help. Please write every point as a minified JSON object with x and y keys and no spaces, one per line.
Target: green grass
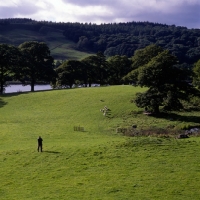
{"x":61,"y":49}
{"x":97,"y":163}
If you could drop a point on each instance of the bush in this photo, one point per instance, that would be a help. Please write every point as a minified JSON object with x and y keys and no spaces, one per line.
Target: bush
{"x":193,"y":104}
{"x":152,"y":131}
{"x":183,"y":126}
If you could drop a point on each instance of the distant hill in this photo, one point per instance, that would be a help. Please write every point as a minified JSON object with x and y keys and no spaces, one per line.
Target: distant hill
{"x":17,"y":31}
{"x":77,"y":40}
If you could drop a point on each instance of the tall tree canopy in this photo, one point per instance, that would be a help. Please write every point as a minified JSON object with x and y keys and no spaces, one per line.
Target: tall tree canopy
{"x":196,"y":76}
{"x":9,"y":62}
{"x":68,"y":73}
{"x":118,"y":67}
{"x":89,"y":72}
{"x":143,"y":56}
{"x":101,"y":68}
{"x":96,"y":68}
{"x":38,"y":64}
{"x":166,"y":83}
{"x":140,"y":58}
{"x":92,"y":69}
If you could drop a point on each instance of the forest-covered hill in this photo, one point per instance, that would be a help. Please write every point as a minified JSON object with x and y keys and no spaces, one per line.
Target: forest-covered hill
{"x":111,"y":39}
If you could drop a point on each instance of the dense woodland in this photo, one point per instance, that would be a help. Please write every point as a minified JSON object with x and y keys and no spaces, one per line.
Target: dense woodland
{"x":120,"y":38}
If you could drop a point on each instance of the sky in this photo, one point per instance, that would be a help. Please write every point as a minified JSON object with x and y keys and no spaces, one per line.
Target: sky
{"x":171,"y":12}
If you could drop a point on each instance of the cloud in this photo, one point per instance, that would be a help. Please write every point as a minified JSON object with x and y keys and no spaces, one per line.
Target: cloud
{"x":167,"y":12}
{"x":89,"y":2}
{"x":15,"y":8}
{"x":179,"y":12}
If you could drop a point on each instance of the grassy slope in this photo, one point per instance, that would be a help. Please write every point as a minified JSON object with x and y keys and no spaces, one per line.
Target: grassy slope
{"x":97,"y":163}
{"x":61,"y":49}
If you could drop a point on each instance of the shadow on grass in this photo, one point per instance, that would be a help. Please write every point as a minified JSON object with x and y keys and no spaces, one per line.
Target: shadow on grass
{"x":12,"y":94}
{"x":177,"y":117}
{"x":2,"y":103}
{"x":51,"y":152}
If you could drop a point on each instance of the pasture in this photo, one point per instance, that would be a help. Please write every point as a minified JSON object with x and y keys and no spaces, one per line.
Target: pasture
{"x":61,"y":49}
{"x":97,"y":163}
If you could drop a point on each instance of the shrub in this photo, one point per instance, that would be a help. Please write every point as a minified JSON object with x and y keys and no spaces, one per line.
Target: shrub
{"x":152,"y":131}
{"x":193,"y":104}
{"x":183,"y":126}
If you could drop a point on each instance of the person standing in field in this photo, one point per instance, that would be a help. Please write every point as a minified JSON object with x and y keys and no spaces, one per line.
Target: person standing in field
{"x":40,"y":144}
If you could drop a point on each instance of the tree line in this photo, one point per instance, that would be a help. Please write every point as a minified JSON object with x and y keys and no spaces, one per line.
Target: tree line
{"x":120,"y":38}
{"x":30,"y":62}
{"x":152,"y":67}
{"x":92,"y":69}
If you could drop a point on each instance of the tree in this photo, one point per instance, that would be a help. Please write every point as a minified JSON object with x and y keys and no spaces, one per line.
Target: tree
{"x":38,"y":64}
{"x":196,"y":76}
{"x":140,"y":58}
{"x":96,"y":68}
{"x":89,"y":70}
{"x":118,"y":66}
{"x":166,"y":83}
{"x":83,"y":43}
{"x":101,"y":68}
{"x":143,"y":56}
{"x":9,"y":62}
{"x":68,"y":73}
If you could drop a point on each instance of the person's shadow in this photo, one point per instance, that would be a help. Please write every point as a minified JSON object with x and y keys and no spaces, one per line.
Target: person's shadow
{"x":51,"y":151}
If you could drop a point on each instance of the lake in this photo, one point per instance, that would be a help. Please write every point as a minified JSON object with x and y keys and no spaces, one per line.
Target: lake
{"x":20,"y":88}
{"x":27,"y":88}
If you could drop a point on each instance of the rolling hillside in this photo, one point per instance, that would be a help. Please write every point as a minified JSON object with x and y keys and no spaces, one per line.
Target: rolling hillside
{"x":97,"y":163}
{"x":61,"y":49}
{"x":78,"y":40}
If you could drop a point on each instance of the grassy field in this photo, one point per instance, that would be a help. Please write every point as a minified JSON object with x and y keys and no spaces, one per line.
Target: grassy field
{"x":61,"y":49}
{"x":97,"y":163}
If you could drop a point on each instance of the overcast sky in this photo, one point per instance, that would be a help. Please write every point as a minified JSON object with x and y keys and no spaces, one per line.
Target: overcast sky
{"x":178,"y":12}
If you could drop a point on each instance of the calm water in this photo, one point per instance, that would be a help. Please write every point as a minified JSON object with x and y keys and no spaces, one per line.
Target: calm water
{"x":20,"y":88}
{"x":27,"y":88}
